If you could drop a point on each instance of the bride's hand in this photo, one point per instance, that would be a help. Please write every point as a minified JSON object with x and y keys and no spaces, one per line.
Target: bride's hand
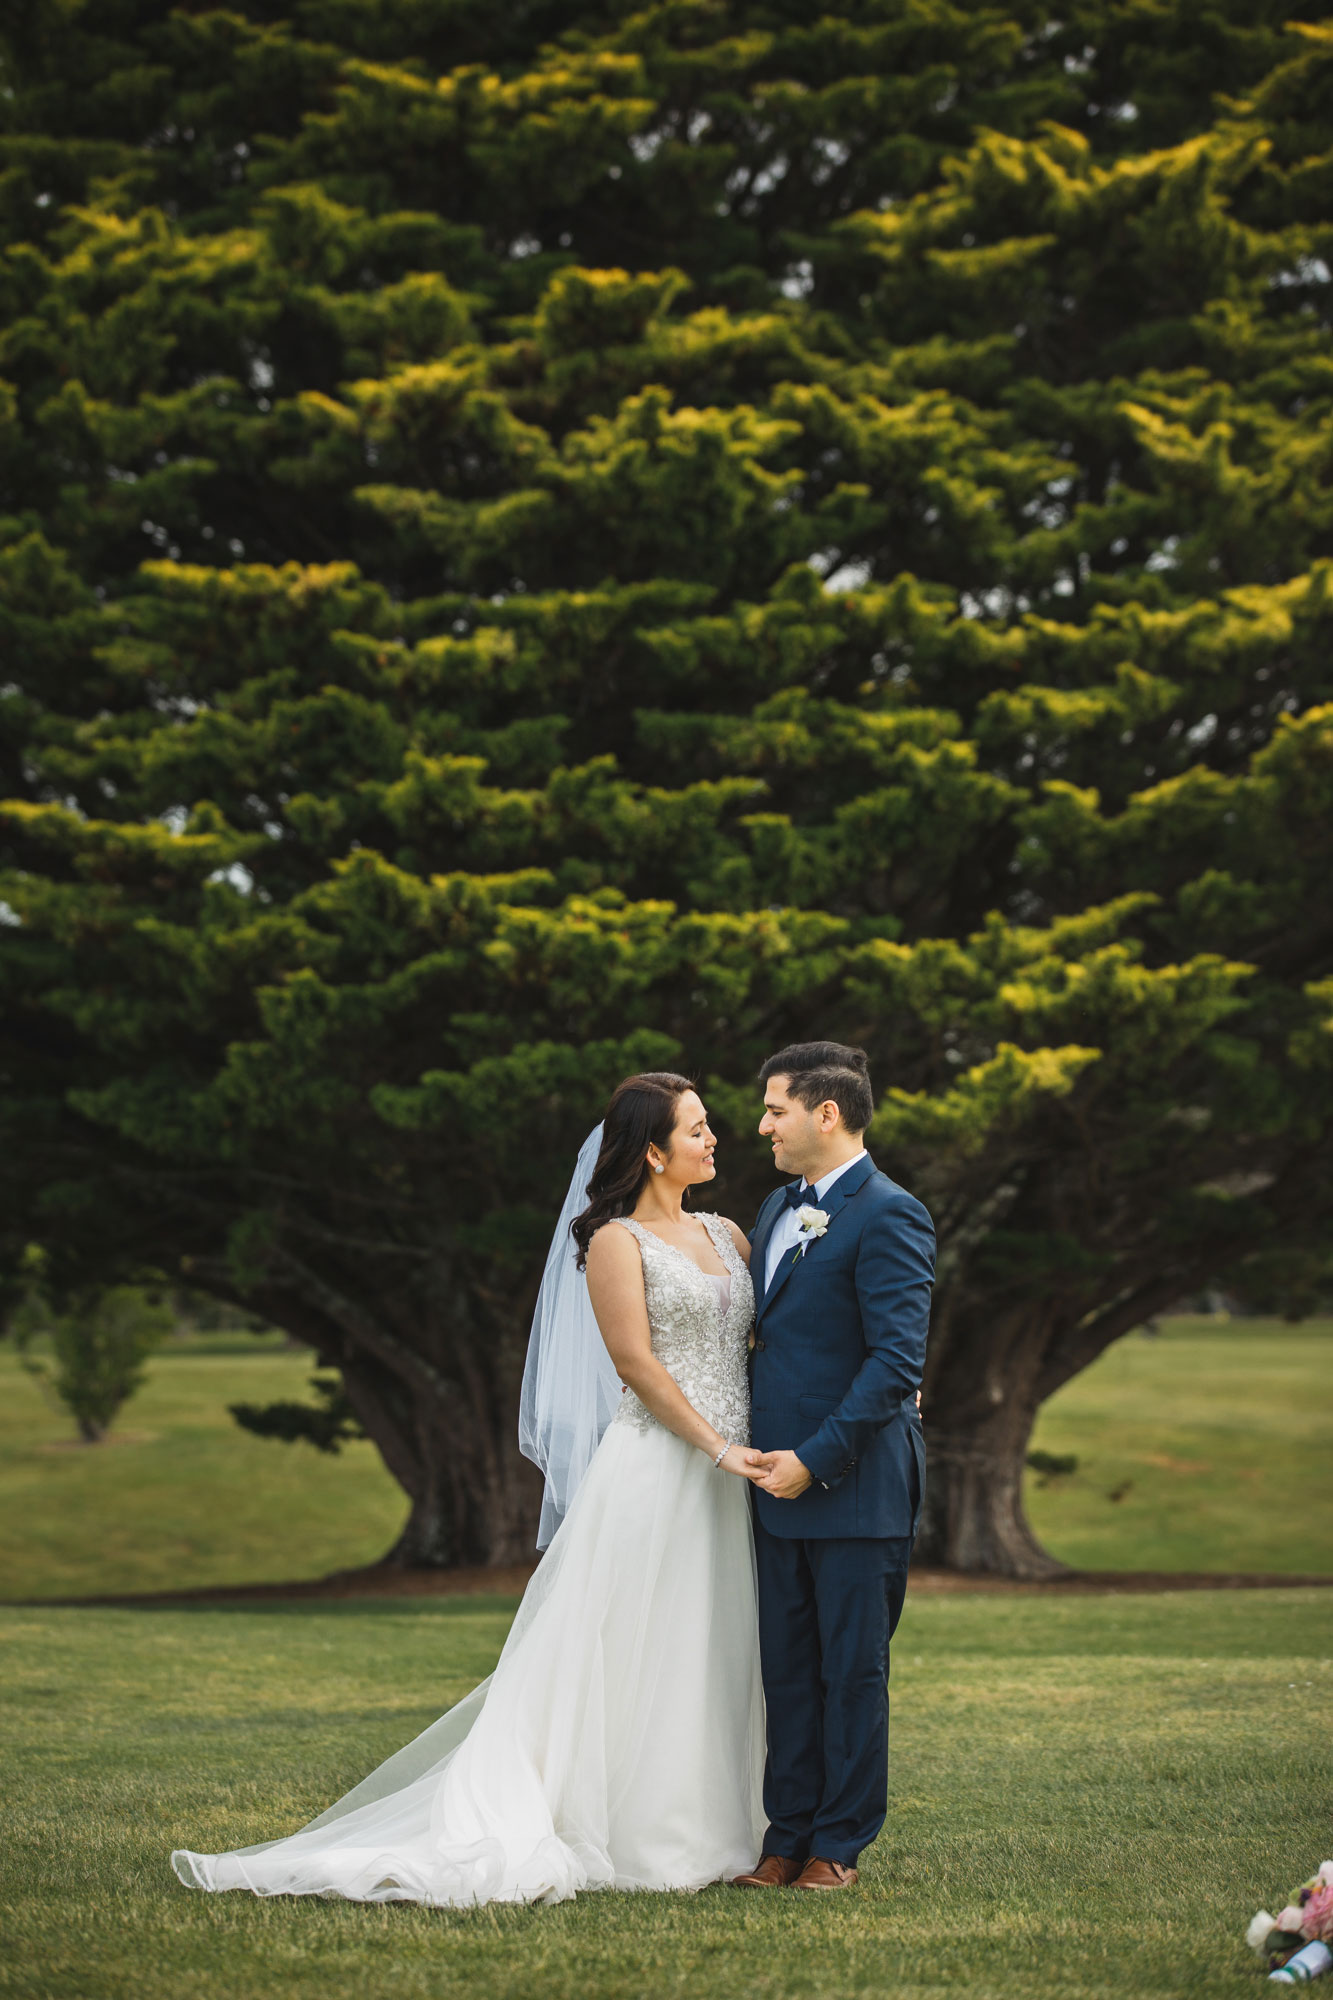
{"x":743,"y":1461}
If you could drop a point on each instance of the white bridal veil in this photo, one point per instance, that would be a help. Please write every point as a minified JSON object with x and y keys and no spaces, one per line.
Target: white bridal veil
{"x":620,"y":1740}
{"x":569,"y":1385}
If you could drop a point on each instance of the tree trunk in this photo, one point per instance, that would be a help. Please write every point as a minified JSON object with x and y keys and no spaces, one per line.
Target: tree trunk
{"x":428,"y":1540}
{"x":989,"y":1370}
{"x":471,"y":1504}
{"x":973,"y":1516}
{"x":501,"y":1531}
{"x":474,"y":1498}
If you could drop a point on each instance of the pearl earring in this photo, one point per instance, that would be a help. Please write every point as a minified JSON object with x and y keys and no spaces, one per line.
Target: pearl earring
{"x":656,"y":1169}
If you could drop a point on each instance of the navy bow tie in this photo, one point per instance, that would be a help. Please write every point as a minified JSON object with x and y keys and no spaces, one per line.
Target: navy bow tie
{"x":797,"y":1192}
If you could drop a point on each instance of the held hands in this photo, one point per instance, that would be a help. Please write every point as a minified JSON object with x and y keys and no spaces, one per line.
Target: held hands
{"x":743,"y":1461}
{"x":777,"y":1472}
{"x":782,"y":1474}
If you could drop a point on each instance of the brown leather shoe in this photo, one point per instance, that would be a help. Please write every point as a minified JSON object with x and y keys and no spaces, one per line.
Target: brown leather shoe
{"x":772,"y":1871}
{"x":818,"y":1874}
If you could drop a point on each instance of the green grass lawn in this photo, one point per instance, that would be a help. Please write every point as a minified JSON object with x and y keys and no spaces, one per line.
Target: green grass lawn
{"x":1090,"y":1798}
{"x":1213,"y":1436}
{"x":1206,"y":1448}
{"x":181,"y":1496}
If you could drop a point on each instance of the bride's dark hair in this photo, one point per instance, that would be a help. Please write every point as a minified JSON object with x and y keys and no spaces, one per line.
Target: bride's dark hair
{"x":642,"y":1113}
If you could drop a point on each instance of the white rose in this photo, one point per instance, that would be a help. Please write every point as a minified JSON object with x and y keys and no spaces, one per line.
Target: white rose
{"x":812,"y":1221}
{"x":1257,"y":1935}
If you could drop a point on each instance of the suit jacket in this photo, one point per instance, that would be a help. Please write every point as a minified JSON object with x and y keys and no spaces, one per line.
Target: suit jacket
{"x":840,"y":1345}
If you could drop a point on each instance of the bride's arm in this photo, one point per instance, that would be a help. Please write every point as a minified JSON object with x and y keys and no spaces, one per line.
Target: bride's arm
{"x":615,"y":1286}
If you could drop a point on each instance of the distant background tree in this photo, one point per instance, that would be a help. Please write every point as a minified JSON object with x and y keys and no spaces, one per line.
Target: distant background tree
{"x":543,"y":541}
{"x":97,"y":1346}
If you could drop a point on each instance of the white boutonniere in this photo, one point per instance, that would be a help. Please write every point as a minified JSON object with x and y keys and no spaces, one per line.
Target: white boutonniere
{"x":810,"y":1226}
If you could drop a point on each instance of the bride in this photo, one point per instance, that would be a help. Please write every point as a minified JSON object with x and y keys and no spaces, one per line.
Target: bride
{"x":620,"y":1741}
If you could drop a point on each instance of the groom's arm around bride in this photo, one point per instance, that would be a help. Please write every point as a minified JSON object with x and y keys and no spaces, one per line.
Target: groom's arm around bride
{"x":843,"y":1263}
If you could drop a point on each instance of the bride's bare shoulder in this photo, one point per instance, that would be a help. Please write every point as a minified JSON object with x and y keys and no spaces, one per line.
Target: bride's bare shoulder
{"x":611,"y":1247}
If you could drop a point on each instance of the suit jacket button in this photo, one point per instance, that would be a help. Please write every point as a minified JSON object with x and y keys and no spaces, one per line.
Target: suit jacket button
{"x":758,"y":1345}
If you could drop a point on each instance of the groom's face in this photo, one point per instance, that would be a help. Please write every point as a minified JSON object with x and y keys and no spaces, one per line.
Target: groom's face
{"x":791,"y":1129}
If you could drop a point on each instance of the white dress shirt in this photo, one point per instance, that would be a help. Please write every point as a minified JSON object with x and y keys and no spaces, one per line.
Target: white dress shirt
{"x":787,"y":1230}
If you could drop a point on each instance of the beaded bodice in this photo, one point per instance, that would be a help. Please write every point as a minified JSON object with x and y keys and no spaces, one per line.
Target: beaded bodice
{"x":701,"y":1348}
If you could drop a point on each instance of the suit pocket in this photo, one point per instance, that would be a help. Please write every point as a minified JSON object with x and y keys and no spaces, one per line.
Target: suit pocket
{"x":817,"y":1406}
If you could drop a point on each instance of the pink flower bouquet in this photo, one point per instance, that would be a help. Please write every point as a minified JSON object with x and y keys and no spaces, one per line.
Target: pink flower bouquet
{"x":1306,"y":1920}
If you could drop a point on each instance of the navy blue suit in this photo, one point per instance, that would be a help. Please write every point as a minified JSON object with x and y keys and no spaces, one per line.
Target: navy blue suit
{"x":840,"y":1345}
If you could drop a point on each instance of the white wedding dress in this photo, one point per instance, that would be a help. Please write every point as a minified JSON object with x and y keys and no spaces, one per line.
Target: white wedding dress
{"x":620,"y":1741}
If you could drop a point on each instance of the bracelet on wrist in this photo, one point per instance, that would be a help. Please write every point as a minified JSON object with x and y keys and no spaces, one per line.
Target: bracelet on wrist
{"x":722,"y":1454}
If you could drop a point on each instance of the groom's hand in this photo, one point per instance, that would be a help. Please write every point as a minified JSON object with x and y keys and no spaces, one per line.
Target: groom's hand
{"x":784,"y":1476}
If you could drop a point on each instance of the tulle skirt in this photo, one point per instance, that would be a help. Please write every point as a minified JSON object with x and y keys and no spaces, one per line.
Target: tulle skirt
{"x":618,"y":1744}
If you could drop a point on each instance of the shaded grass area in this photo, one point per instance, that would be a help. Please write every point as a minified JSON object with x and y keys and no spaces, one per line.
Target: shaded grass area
{"x":181,"y":1496}
{"x":1089,"y":1797}
{"x":1213,"y":1436}
{"x":1205,"y":1448}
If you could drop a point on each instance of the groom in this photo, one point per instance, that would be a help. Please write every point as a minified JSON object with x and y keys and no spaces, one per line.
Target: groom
{"x":843,"y":1261}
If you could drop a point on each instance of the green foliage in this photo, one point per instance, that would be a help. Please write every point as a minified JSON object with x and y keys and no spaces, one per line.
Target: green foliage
{"x":327,"y":1423}
{"x":99,"y":1345}
{"x":537,"y":544}
{"x":1049,"y":1465}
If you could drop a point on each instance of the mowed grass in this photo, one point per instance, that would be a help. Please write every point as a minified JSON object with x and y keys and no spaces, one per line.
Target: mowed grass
{"x":1090,"y":1797}
{"x":1205,"y":1448}
{"x":180,"y":1497}
{"x":1202,"y":1449}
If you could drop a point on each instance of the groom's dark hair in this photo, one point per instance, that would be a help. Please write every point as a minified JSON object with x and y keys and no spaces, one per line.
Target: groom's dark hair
{"x":819,"y":1071}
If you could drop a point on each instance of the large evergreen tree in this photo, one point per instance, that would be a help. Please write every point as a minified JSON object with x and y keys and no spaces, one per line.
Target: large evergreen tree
{"x":539,"y":540}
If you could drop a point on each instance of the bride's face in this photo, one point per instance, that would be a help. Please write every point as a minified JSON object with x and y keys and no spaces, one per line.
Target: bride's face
{"x":692,"y":1143}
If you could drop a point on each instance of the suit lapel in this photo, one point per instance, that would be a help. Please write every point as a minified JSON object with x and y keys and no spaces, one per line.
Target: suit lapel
{"x":780,"y":1277}
{"x":848,"y":1184}
{"x":774,"y":1206}
{"x":837,"y":1197}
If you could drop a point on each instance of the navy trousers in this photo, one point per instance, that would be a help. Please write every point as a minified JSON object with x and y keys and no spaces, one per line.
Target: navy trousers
{"x":828,"y":1608}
